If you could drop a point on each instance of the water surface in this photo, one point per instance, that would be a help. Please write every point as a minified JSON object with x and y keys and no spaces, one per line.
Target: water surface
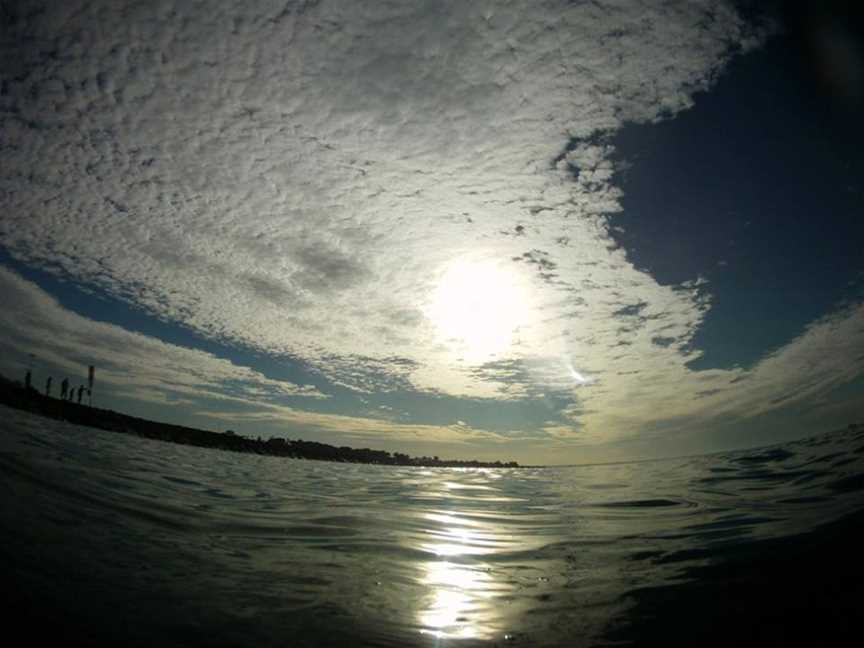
{"x":110,"y":538}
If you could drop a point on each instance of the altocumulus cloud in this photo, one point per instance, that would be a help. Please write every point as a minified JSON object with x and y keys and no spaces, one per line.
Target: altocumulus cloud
{"x":129,"y":364}
{"x":209,"y":389}
{"x":302,"y":177}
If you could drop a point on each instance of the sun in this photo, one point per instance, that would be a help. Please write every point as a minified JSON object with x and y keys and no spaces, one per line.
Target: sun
{"x":477,"y":308}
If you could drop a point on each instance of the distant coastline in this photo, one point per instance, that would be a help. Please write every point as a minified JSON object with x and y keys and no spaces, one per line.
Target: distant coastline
{"x":13,"y":394}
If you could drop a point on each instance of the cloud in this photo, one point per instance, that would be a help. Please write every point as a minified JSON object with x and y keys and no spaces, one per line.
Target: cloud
{"x":296,"y":177}
{"x":128,"y":364}
{"x":134,"y":366}
{"x":663,"y":394}
{"x":300,"y":178}
{"x":339,"y":428}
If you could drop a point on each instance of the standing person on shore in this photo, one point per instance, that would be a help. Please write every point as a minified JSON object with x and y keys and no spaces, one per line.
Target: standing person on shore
{"x":64,"y":388}
{"x":48,"y":386}
{"x":80,"y":393}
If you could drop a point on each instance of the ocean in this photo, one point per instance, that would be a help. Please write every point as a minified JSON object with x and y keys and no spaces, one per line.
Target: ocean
{"x":109,"y":539}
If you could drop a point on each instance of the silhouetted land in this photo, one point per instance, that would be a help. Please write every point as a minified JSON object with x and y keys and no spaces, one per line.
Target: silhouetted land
{"x":14,"y":395}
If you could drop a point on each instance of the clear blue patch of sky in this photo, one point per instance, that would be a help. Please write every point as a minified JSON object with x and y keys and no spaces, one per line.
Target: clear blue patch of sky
{"x":759,"y":188}
{"x":526,"y":416}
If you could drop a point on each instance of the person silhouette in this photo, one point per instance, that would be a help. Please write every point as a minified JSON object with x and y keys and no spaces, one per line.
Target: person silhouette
{"x":48,"y":386}
{"x":80,"y":393}
{"x":27,"y":378}
{"x":64,"y":388}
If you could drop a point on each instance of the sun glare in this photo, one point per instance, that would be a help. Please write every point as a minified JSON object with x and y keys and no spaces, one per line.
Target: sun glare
{"x":478,"y":307}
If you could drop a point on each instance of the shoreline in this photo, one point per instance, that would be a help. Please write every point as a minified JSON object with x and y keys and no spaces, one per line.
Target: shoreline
{"x":18,"y":397}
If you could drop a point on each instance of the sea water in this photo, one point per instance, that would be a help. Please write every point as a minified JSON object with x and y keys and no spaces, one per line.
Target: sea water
{"x":109,"y":539}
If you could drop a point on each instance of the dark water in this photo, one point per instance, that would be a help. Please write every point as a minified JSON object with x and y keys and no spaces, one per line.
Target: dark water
{"x":109,"y":539}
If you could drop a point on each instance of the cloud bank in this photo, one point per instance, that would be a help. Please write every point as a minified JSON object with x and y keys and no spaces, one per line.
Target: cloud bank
{"x":209,"y":390}
{"x":302,"y":178}
{"x":129,"y":364}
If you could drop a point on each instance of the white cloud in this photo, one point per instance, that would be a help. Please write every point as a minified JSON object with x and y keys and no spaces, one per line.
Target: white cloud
{"x":337,"y":428}
{"x":298,"y":178}
{"x":663,"y":394}
{"x":208,"y":389}
{"x":128,"y":364}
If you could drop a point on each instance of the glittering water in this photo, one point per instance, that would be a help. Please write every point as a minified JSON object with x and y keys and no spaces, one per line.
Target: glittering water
{"x":119,"y":539}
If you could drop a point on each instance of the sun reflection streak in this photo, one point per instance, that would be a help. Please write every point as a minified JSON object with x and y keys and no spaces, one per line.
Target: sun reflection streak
{"x":456,"y":590}
{"x":461,"y":589}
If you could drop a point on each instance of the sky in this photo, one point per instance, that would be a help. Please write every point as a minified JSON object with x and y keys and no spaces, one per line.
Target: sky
{"x":550,"y":232}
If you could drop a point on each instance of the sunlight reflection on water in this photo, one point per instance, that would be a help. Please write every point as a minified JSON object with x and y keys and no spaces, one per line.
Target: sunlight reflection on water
{"x":255,"y":550}
{"x":459,"y":604}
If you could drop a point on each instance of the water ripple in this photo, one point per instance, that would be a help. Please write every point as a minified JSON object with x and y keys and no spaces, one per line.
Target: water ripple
{"x":390,"y":556}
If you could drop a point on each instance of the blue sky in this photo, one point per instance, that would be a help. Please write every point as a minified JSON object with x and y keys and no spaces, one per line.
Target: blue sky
{"x":772,"y":168}
{"x":556,"y":233}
